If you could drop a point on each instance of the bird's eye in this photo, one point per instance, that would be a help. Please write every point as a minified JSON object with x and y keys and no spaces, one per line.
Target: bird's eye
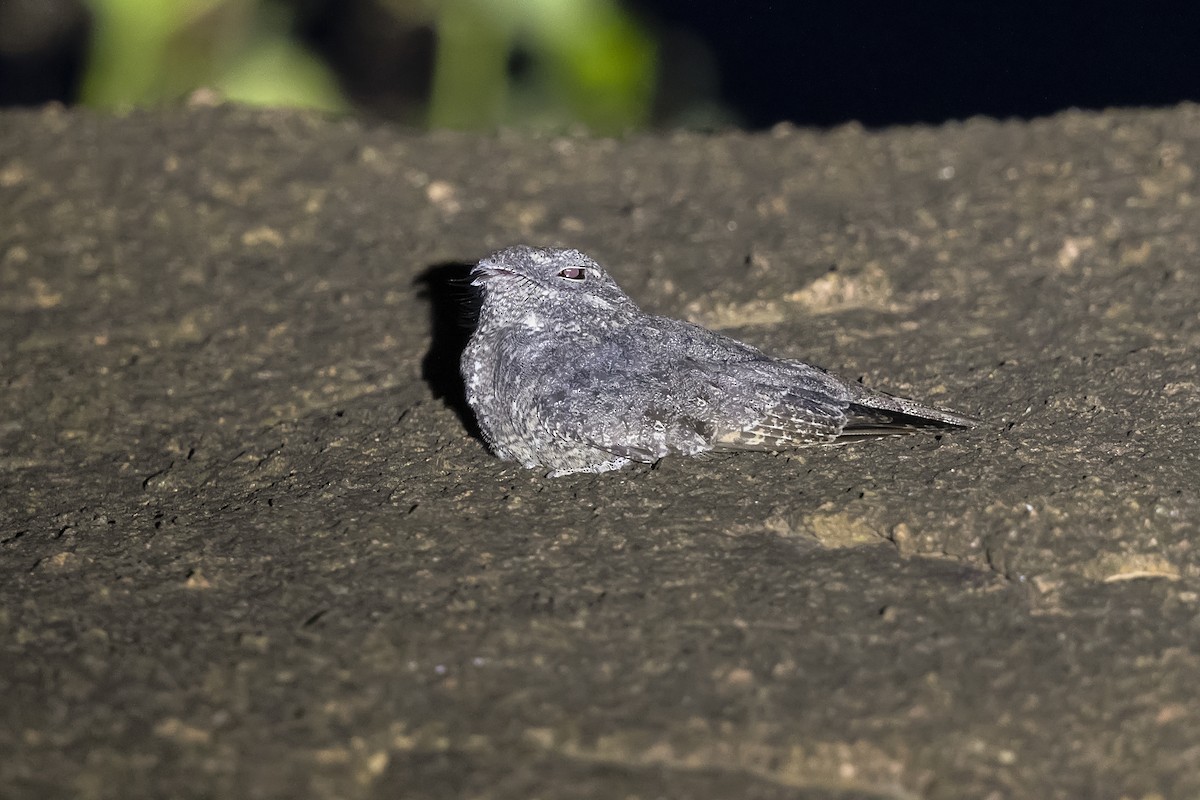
{"x":574,"y":274}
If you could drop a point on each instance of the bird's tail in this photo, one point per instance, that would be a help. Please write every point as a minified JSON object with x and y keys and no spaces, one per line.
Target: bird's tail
{"x":875,"y":413}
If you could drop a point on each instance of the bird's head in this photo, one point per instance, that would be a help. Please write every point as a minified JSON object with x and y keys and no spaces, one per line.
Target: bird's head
{"x":521,"y":280}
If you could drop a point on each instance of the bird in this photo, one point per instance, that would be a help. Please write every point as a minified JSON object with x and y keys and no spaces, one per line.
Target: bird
{"x":564,"y":372}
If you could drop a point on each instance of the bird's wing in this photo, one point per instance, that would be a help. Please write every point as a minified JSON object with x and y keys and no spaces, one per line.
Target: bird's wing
{"x":808,"y":406}
{"x":637,"y":410}
{"x":628,"y":416}
{"x":774,"y":408}
{"x":646,"y":409}
{"x":689,"y":405}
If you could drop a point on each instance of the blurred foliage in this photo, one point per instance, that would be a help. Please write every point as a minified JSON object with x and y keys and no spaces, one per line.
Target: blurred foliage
{"x":544,"y":63}
{"x":150,"y":51}
{"x":587,"y":62}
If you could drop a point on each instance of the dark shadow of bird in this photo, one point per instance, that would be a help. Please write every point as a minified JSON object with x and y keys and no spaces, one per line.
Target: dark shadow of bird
{"x":454,"y":308}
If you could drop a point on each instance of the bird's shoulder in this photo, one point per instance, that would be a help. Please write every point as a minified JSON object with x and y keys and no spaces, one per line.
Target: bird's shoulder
{"x":674,"y":339}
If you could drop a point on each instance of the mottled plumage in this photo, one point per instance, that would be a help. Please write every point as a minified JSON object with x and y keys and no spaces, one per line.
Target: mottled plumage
{"x":565,"y":372}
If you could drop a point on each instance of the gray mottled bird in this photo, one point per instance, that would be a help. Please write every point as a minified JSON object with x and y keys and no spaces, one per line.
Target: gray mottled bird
{"x":565,"y":372}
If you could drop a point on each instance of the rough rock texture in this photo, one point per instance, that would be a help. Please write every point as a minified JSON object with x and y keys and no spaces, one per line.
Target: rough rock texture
{"x":249,"y":546}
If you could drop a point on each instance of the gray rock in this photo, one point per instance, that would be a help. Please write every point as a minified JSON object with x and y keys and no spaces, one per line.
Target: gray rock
{"x":565,"y":371}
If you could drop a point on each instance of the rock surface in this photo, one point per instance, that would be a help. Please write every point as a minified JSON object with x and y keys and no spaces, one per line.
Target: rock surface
{"x":249,"y":546}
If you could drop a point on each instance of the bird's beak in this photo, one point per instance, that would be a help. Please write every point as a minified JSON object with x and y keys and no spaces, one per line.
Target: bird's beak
{"x":482,"y":274}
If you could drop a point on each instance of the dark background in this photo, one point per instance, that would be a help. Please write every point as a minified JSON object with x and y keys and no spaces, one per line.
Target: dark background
{"x":883,"y":63}
{"x":759,"y":63}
